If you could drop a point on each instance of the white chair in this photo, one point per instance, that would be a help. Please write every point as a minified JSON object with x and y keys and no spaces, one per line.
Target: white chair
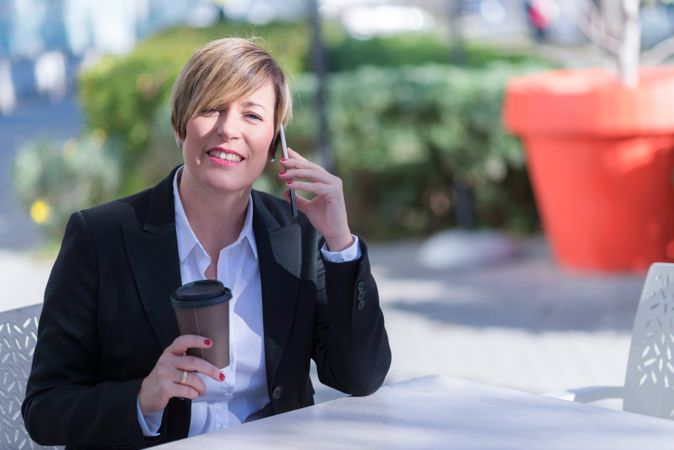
{"x":18,"y":334}
{"x":649,"y":382}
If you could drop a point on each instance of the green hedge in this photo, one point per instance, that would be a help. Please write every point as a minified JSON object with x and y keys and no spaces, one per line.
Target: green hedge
{"x":403,"y":138}
{"x":53,"y":179}
{"x":348,"y":53}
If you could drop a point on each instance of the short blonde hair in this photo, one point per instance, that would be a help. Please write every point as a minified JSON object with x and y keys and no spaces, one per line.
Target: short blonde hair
{"x":221,"y":72}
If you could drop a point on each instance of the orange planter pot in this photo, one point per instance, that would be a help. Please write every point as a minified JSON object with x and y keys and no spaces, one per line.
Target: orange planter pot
{"x":601,"y":160}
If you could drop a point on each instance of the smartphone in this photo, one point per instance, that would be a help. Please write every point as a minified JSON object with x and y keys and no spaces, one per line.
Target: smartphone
{"x":284,"y":148}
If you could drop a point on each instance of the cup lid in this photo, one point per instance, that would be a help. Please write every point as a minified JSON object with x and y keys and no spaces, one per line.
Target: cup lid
{"x":201,"y":293}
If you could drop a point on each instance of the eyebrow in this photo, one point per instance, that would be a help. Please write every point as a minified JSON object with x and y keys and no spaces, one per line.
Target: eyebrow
{"x":249,"y":104}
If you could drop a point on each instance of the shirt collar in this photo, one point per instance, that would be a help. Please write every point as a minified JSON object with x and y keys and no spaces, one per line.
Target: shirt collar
{"x":187,"y":240}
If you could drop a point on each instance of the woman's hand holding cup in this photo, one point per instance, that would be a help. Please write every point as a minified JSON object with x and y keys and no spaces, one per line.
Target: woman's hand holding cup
{"x":173,"y":375}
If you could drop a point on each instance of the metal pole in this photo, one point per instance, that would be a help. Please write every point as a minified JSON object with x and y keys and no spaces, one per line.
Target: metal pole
{"x":318,"y":65}
{"x":457,"y":53}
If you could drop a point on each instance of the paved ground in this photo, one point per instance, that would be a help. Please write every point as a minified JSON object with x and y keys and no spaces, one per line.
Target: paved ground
{"x":523,"y":323}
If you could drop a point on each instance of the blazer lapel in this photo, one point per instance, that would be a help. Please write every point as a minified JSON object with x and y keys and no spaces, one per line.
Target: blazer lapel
{"x":279,"y":253}
{"x":152,"y":250}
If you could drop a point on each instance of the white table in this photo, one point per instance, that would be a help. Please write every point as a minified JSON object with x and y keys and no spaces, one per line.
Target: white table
{"x":444,"y":413}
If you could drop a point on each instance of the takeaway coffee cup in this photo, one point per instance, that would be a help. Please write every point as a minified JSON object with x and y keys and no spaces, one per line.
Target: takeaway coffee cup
{"x":202,"y":308}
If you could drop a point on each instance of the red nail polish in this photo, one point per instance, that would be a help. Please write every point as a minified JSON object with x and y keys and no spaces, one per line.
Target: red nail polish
{"x":282,"y":173}
{"x":289,"y":181}
{"x":207,"y":342}
{"x":284,"y":159}
{"x":222,"y":377}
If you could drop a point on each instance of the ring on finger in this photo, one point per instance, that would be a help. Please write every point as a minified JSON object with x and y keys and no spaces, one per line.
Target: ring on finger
{"x":183,"y":377}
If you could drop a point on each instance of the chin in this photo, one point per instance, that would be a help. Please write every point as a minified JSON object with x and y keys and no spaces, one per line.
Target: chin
{"x":228,"y":184}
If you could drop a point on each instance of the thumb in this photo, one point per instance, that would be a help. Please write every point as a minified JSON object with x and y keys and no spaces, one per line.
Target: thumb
{"x":300,"y":201}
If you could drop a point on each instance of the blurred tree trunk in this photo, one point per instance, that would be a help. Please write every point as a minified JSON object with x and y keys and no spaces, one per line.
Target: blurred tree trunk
{"x":464,"y":214}
{"x":623,"y":36}
{"x":457,"y":51}
{"x":318,"y":66}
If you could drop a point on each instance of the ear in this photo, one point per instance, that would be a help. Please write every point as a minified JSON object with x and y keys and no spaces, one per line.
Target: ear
{"x":274,"y":146}
{"x":179,"y":142}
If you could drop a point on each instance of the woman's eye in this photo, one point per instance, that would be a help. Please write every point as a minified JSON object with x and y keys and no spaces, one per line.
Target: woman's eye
{"x":253,"y":116}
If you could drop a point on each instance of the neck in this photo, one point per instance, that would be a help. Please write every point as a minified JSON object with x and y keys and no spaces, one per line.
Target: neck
{"x":216,"y":217}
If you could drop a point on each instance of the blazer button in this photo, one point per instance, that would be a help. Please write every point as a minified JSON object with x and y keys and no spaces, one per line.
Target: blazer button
{"x":277,"y":393}
{"x":361,"y":296}
{"x":360,"y":305}
{"x":361,"y":287}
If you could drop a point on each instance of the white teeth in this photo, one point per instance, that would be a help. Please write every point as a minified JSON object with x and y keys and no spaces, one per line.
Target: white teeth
{"x":226,"y":156}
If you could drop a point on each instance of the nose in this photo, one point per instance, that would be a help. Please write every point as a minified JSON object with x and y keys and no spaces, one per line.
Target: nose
{"x":228,"y":125}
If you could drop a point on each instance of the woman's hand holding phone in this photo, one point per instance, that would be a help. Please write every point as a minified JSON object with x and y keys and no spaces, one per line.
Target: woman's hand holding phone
{"x":326,"y":210}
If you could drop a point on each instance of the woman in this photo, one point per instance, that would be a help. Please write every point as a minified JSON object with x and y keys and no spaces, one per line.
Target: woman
{"x":110,"y":368}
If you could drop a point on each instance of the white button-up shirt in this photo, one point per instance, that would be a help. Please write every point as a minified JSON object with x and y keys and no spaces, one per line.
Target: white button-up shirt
{"x":244,"y":390}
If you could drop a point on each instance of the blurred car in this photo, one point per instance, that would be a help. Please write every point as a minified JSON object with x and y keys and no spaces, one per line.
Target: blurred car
{"x":555,"y":22}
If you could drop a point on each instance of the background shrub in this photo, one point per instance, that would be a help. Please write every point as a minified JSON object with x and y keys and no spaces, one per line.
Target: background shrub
{"x":53,"y":179}
{"x":404,"y":138}
{"x":345,"y":52}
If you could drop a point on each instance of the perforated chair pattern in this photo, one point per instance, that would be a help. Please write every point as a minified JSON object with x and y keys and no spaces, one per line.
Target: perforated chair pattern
{"x":18,"y":334}
{"x":649,"y":381}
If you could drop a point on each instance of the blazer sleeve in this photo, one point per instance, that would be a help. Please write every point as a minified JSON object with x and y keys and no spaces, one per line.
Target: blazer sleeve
{"x":67,"y":400}
{"x":351,"y":347}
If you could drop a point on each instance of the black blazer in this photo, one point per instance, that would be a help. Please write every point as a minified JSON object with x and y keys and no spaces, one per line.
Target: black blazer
{"x":107,"y":318}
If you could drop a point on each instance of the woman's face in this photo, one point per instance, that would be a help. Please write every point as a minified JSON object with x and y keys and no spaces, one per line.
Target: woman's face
{"x":227,"y":150}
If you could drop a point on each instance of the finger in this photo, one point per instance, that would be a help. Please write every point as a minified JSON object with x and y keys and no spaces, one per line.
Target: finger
{"x":310,"y":174}
{"x":297,"y":160}
{"x":293,"y":154}
{"x":307,"y":186}
{"x":286,"y":195}
{"x":187,"y":378}
{"x":182,"y":343}
{"x":299,"y":164}
{"x":183,"y":391}
{"x":300,"y":201}
{"x":195,"y":364}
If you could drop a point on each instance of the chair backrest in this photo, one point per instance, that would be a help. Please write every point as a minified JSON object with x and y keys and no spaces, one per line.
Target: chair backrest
{"x":649,"y":382}
{"x":18,"y":334}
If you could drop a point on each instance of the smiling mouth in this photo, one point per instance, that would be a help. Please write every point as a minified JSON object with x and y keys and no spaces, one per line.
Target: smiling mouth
{"x":225,"y":156}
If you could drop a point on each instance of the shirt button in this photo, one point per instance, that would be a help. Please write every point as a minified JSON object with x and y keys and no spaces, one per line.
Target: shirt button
{"x":361,"y":305}
{"x":277,"y":393}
